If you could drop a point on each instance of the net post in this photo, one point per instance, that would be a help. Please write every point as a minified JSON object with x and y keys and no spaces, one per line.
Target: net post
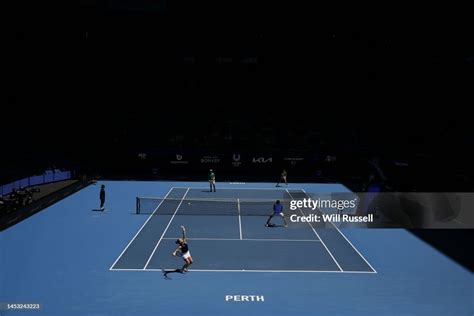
{"x":137,"y":207}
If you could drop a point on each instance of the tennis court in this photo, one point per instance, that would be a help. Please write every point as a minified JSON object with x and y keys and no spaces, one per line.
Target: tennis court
{"x":74,"y":260}
{"x":234,"y":242}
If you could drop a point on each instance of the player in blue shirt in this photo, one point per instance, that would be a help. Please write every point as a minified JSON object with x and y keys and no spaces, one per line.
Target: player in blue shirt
{"x":277,"y":211}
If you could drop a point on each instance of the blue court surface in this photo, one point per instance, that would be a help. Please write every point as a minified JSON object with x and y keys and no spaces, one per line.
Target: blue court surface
{"x":75,"y":260}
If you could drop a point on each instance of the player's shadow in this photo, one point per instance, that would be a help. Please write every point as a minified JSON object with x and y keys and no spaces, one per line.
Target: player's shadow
{"x":274,"y":225}
{"x":166,"y":272}
{"x":97,"y":210}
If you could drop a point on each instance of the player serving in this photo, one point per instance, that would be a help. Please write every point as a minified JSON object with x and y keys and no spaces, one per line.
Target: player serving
{"x":184,"y":250}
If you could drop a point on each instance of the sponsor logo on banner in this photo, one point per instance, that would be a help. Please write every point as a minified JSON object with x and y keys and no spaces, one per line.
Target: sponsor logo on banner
{"x":179,"y":160}
{"x":210,"y":159}
{"x":236,"y":160}
{"x":293,"y":160}
{"x":262,"y":160}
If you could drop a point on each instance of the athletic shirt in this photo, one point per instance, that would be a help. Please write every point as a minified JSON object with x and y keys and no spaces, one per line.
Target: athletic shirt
{"x":184,"y":248}
{"x":212,"y":176}
{"x":277,"y":208}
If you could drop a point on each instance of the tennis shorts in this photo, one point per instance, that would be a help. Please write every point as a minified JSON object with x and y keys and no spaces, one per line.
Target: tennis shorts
{"x":186,"y":255}
{"x":278,"y":214}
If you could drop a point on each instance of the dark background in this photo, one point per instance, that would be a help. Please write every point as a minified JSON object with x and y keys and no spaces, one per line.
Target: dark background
{"x":96,"y":83}
{"x":90,"y":84}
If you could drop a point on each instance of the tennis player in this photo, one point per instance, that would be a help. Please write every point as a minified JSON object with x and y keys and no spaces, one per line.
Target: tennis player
{"x":282,"y":178}
{"x":102,"y":197}
{"x":184,"y":249}
{"x":212,"y":180}
{"x":277,"y":211}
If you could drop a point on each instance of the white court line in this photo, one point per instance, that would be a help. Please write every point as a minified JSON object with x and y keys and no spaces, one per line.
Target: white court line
{"x":240,"y":221}
{"x":274,"y":239}
{"x":345,"y":237}
{"x":204,"y":238}
{"x":253,"y":271}
{"x":166,"y":229}
{"x":249,"y":239}
{"x":314,"y":230}
{"x":128,"y":245}
{"x":202,"y":188}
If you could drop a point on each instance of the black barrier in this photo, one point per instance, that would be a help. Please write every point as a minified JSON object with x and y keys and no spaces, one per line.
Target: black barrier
{"x":17,"y":215}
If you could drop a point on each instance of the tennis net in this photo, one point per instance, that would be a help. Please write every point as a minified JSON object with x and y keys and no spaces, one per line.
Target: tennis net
{"x":243,"y":207}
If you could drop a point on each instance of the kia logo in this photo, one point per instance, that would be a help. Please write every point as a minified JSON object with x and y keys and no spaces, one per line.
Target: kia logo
{"x":262,"y":160}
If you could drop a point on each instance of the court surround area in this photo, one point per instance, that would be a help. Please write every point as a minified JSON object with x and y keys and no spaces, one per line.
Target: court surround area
{"x":75,"y":260}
